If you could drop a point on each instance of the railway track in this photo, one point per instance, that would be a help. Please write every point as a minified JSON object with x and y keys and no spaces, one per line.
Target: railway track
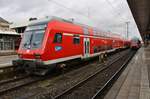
{"x":12,"y":79}
{"x":82,"y":90}
{"x":101,"y":92}
{"x":16,"y":85}
{"x":59,"y":88}
{"x":13,"y":84}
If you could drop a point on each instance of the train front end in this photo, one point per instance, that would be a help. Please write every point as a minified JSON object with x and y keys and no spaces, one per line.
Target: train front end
{"x":31,"y":50}
{"x":135,"y":44}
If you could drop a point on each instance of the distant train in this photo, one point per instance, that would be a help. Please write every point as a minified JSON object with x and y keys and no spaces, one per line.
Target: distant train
{"x":51,"y":42}
{"x":135,"y":44}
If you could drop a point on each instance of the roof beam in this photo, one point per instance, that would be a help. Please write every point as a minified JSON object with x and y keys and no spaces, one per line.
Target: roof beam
{"x":141,"y":13}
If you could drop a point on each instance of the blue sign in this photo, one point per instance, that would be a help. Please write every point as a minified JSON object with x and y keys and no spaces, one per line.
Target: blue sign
{"x":58,"y":48}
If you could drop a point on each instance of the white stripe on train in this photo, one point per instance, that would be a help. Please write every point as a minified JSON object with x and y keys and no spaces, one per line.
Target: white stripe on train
{"x":73,"y":57}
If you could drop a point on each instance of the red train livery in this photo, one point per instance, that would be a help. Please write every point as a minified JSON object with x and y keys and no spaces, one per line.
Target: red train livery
{"x":52,"y":41}
{"x":135,"y":44}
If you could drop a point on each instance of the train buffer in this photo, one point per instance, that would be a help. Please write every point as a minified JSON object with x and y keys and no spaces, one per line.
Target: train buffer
{"x":134,"y":82}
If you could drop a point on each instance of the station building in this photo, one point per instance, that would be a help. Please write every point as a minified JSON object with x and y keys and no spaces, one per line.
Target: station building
{"x":9,"y":39}
{"x":20,"y":27}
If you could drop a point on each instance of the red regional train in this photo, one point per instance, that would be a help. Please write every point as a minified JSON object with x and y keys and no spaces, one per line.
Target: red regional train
{"x":52,"y":41}
{"x":135,"y":44}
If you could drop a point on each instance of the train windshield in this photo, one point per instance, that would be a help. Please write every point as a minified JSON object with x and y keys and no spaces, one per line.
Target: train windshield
{"x":33,"y":37}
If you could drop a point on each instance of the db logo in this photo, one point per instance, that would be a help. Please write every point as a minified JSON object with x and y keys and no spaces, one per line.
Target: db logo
{"x":58,"y":48}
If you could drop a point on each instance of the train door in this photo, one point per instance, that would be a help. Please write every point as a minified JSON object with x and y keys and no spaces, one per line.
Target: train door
{"x":86,"y":41}
{"x":86,"y":47}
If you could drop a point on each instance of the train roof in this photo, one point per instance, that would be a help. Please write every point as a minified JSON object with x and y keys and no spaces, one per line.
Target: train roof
{"x":48,"y":19}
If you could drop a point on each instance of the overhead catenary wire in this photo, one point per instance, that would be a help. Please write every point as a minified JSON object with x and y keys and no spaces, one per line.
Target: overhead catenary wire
{"x":87,"y":16}
{"x":81,"y":13}
{"x":72,"y":10}
{"x":114,"y":8}
{"x":75,"y":11}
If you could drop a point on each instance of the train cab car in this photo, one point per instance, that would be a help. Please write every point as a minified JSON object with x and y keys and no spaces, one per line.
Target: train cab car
{"x":135,"y":44}
{"x":49,"y":42}
{"x":127,"y":43}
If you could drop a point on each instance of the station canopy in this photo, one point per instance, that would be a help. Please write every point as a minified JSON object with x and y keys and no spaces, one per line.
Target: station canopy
{"x":141,"y":13}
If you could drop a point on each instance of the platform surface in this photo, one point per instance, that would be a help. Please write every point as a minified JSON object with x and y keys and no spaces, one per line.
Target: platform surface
{"x":7,"y":52}
{"x":7,"y":60}
{"x":133,"y":83}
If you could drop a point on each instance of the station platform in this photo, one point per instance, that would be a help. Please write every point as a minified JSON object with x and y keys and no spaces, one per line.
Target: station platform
{"x":7,"y":52}
{"x":7,"y":60}
{"x":134,"y":82}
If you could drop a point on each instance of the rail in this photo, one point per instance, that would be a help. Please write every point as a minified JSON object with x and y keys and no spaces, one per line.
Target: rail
{"x":66,"y":92}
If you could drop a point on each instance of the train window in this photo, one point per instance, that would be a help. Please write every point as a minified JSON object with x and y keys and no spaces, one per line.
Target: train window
{"x":76,"y":39}
{"x":58,"y":38}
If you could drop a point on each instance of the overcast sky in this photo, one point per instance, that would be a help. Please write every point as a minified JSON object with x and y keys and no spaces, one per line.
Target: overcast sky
{"x":109,"y":15}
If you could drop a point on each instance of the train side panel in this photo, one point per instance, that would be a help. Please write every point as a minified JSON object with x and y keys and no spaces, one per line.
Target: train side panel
{"x":71,"y":45}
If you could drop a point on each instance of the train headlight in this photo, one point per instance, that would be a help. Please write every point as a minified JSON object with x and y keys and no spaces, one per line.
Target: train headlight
{"x":37,"y":56}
